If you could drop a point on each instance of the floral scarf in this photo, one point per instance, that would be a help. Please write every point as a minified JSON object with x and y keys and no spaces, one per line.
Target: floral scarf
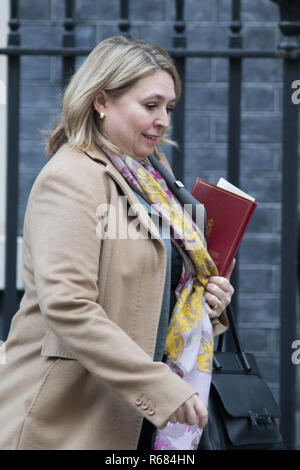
{"x":189,"y":342}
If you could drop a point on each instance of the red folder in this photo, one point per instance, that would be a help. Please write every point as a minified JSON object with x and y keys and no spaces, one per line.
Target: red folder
{"x":227,"y":218}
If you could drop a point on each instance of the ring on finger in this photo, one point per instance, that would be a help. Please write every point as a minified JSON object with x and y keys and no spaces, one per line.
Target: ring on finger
{"x":218,"y":304}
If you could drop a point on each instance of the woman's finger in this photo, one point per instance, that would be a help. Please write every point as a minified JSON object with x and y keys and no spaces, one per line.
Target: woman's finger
{"x":230,"y":269}
{"x":202,"y":413}
{"x":212,"y":300}
{"x":173,"y":419}
{"x":180,"y":415}
{"x":215,"y":282}
{"x":212,"y":313}
{"x":214,"y":289}
{"x":214,"y":292}
{"x":191,"y":417}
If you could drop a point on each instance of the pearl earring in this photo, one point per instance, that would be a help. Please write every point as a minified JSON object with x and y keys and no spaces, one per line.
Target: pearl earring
{"x":101,"y":115}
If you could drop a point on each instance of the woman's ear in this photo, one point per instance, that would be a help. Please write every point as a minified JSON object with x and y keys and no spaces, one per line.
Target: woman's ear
{"x":100,"y":101}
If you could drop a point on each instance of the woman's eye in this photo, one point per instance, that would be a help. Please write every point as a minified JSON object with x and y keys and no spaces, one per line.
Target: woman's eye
{"x":152,"y":106}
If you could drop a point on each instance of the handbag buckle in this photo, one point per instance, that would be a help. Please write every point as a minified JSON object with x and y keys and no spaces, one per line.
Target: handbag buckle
{"x":260,"y":418}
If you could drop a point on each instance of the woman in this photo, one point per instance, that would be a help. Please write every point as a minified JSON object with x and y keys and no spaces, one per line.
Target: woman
{"x":90,"y":354}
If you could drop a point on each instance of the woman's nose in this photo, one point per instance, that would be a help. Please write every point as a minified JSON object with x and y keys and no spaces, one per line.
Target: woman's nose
{"x":163,"y":120}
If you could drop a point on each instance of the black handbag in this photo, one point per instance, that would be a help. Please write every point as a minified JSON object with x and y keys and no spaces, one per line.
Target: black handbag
{"x":242,"y":411}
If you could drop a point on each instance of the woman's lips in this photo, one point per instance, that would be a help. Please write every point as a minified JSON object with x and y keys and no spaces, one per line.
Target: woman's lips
{"x":152,"y":139}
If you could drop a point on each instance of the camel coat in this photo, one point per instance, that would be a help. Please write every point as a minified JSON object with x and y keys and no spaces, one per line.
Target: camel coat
{"x":79,"y":371}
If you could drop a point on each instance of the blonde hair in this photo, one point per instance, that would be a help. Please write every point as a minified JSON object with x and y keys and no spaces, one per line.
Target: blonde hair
{"x":114,"y":65}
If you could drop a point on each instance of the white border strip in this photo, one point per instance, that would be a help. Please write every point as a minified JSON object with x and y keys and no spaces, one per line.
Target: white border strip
{"x":4,"y":17}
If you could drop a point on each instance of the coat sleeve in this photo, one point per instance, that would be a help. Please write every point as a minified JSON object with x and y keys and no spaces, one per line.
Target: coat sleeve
{"x":61,"y":226}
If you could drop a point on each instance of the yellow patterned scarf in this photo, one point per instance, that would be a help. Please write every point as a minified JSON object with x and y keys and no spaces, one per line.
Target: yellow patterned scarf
{"x":188,"y":310}
{"x":189,"y":341}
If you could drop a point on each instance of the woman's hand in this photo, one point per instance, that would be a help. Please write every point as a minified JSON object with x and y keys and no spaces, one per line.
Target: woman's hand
{"x":218,"y":293}
{"x":191,"y":412}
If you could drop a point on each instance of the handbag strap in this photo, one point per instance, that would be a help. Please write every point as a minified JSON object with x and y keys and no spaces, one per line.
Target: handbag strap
{"x":236,"y":338}
{"x":185,"y":197}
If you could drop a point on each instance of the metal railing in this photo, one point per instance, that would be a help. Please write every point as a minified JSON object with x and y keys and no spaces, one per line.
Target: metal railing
{"x":288,"y":52}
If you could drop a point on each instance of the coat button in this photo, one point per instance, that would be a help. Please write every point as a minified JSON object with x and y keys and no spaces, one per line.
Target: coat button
{"x":145,"y":406}
{"x":151,"y":412}
{"x":138,"y":401}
